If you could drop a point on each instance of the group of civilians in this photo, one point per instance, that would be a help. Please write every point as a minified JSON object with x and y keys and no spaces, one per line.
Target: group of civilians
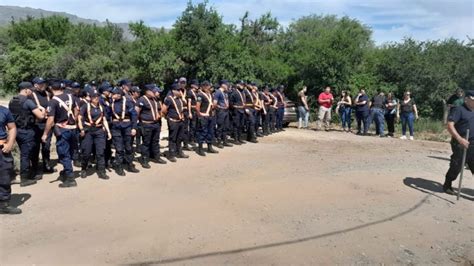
{"x":381,"y":109}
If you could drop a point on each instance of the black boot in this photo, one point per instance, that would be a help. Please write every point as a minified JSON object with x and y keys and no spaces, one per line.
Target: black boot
{"x":220,"y":145}
{"x":227,"y":144}
{"x":171,"y":154}
{"x":210,"y":149}
{"x":447,"y":188}
{"x":68,"y":182}
{"x":200,"y":150}
{"x":236,"y":141}
{"x":102,"y":174}
{"x":131,"y":168}
{"x":25,"y":180}
{"x":186,"y":147}
{"x":6,"y":208}
{"x":119,"y":170}
{"x":181,"y":154}
{"x":47,"y":168}
{"x":83,"y":173}
{"x":145,"y":162}
{"x":158,"y":160}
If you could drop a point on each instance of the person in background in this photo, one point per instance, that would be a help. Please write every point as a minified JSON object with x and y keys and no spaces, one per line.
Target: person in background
{"x":377,"y":106}
{"x":281,"y":104}
{"x":326,"y":100}
{"x":362,"y":112}
{"x":303,"y":109}
{"x":345,"y":110}
{"x":457,"y":99}
{"x":408,"y":112}
{"x":460,"y":119}
{"x":391,"y":104}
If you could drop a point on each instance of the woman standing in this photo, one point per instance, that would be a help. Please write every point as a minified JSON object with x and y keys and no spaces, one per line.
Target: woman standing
{"x":390,"y":113}
{"x":345,"y":110}
{"x":303,"y":109}
{"x":408,"y":112}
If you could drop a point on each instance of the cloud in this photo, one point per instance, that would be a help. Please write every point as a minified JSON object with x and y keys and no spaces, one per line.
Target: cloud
{"x":390,"y":20}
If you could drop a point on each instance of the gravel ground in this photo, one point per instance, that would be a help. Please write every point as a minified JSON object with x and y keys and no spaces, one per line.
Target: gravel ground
{"x":297,"y":197}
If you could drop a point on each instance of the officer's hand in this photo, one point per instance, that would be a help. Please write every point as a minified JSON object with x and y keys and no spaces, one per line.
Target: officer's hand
{"x":134,"y":132}
{"x":82,"y":133}
{"x":464,"y":143}
{"x":44,"y":138}
{"x":109,"y":136}
{"x":190,"y":116}
{"x":7,"y":148}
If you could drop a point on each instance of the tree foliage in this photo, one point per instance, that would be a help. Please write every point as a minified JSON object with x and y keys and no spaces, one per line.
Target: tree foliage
{"x":315,"y":51}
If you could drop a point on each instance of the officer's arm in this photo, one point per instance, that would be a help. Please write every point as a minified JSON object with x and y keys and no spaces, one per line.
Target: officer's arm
{"x":198,"y":107}
{"x":107,"y":129}
{"x":138,"y":109}
{"x":11,"y":137}
{"x":49,"y":125}
{"x":79,"y":122}
{"x":189,"y":107}
{"x":39,"y":113}
{"x":164,"y":109}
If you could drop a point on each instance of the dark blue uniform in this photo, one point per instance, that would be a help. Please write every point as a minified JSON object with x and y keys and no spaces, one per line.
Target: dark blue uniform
{"x":237,"y":101}
{"x":250,"y":115}
{"x":205,"y":120}
{"x":265,"y":101}
{"x":222,"y":116}
{"x":95,"y":135}
{"x":191,"y":96}
{"x":6,"y":159}
{"x":281,"y":110}
{"x":105,"y":102}
{"x":42,"y":98}
{"x":62,"y":107}
{"x":176,"y":125}
{"x":272,"y":109}
{"x":362,"y":114}
{"x":463,"y":119}
{"x":22,"y":110}
{"x":150,"y":122}
{"x":124,"y":119}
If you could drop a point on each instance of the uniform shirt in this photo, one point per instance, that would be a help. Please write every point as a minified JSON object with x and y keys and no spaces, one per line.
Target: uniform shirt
{"x":249,"y":99}
{"x":6,"y":117}
{"x":59,"y":113}
{"x":175,"y":107}
{"x":41,"y":98}
{"x":129,"y":112}
{"x":364,"y":107}
{"x":28,"y":104}
{"x":148,"y":108}
{"x":222,"y":99}
{"x":95,"y":114}
{"x":237,"y":99}
{"x":280,"y":98}
{"x":378,"y":102}
{"x":463,"y":119}
{"x":191,"y":96}
{"x":105,"y":102}
{"x":206,"y":101}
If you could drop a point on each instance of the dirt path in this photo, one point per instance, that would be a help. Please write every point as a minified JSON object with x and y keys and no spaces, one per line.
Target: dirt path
{"x":299,"y":197}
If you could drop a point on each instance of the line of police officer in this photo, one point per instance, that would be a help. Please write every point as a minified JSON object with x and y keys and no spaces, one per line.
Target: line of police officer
{"x":88,"y":122}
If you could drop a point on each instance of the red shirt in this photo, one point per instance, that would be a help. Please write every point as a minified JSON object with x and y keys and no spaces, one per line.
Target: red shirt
{"x":325,"y":96}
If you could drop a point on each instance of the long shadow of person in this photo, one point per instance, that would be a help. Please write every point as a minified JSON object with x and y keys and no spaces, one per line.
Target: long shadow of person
{"x":19,"y":199}
{"x":430,"y":186}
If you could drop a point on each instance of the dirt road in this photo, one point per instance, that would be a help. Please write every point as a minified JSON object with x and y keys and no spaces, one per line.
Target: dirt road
{"x":298,"y":197}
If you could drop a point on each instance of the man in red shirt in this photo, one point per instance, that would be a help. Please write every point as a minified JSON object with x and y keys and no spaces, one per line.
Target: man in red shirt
{"x":325,"y":100}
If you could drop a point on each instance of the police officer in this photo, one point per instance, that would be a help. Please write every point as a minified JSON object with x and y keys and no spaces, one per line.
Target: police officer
{"x":124,"y":126}
{"x":237,"y":101}
{"x":191,"y":98}
{"x":25,"y":112}
{"x":105,"y":100}
{"x":62,"y":112}
{"x":7,"y":140}
{"x":205,"y":112}
{"x":41,"y":97}
{"x":126,"y":86}
{"x":272,"y":107}
{"x":281,"y":104}
{"x":150,"y":123}
{"x":186,"y":138}
{"x":173,"y":109}
{"x":221,"y":101}
{"x":265,"y":103}
{"x":94,"y":130}
{"x":259,"y":108}
{"x":250,"y":113}
{"x":460,"y":119}
{"x":135,"y":95}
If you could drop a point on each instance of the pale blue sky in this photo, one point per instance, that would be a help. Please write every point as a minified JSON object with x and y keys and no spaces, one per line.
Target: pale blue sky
{"x":390,"y":20}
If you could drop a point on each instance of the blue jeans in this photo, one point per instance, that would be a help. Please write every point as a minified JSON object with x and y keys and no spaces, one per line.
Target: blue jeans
{"x":345,"y":113}
{"x":303,"y":117}
{"x":362,"y":118}
{"x":407,"y":118}
{"x":26,"y":141}
{"x":279,"y":117}
{"x":379,"y":119}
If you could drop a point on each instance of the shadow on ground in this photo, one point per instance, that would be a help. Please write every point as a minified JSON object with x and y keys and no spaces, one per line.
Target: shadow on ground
{"x":431,"y":187}
{"x":19,"y":199}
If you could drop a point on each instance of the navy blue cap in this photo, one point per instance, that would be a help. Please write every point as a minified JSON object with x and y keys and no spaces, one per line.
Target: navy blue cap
{"x":56,"y":85}
{"x":93,"y":83}
{"x":125,"y":82}
{"x":157,"y":90}
{"x":182,"y":80}
{"x":135,"y":89}
{"x":39,"y":80}
{"x":105,"y":86}
{"x":175,"y":86}
{"x":206,"y":83}
{"x":194,"y":82}
{"x":240,"y":82}
{"x":150,"y":87}
{"x":224,"y":81}
{"x":93,"y":93}
{"x":25,"y":85}
{"x":67,"y":82}
{"x":117,"y":90}
{"x":470,"y":94}
{"x":75,"y":85}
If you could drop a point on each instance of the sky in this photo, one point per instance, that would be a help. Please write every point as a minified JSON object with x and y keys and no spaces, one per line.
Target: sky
{"x":390,"y":20}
